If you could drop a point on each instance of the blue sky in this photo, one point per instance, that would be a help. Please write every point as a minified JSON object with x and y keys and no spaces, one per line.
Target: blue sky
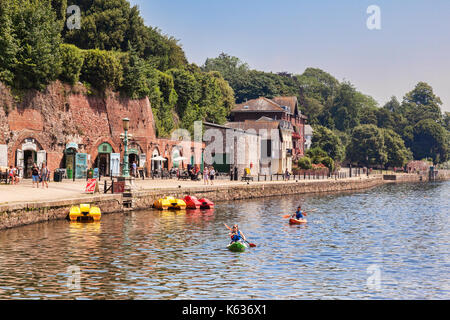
{"x":290,"y":35}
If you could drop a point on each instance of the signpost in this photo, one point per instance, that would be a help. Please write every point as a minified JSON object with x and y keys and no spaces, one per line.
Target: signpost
{"x":92,"y":186}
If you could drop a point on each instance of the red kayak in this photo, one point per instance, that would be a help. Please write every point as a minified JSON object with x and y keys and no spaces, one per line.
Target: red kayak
{"x":192,"y":202}
{"x":206,"y":204}
{"x":295,"y":221}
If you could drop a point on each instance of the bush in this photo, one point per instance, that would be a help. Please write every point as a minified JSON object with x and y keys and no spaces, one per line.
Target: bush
{"x":102,"y":69}
{"x":305,"y":163}
{"x":72,"y":62}
{"x":329,"y":163}
{"x":316,"y":154}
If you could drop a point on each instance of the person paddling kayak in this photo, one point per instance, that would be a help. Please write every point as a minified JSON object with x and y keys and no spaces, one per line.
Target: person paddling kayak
{"x":236,"y":234}
{"x":299,"y":214}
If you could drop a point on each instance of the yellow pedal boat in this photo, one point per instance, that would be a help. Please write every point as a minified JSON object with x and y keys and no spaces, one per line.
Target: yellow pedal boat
{"x":169,"y":203}
{"x":85,"y":212}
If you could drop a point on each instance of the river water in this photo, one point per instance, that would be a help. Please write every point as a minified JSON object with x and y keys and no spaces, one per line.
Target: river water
{"x":390,"y":242}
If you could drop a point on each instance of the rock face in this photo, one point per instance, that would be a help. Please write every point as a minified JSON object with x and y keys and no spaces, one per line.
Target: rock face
{"x":62,"y":114}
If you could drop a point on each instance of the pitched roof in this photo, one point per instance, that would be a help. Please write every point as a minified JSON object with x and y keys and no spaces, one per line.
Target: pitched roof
{"x":260,"y":104}
{"x":290,"y":102}
{"x":262,"y":123}
{"x":254,"y":124}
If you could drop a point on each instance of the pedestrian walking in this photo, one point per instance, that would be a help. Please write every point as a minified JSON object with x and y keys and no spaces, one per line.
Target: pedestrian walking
{"x":205,"y":175}
{"x":286,"y":175}
{"x":45,"y":176}
{"x":212,"y":175}
{"x":35,"y":175}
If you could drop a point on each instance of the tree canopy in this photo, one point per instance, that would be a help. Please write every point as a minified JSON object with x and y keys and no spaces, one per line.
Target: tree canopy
{"x":113,"y":49}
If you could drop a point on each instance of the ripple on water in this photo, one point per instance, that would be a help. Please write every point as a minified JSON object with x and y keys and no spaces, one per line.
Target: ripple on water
{"x":154,"y":255}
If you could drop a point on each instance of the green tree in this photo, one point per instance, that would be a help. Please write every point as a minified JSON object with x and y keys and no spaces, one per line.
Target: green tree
{"x":8,"y":44}
{"x":37,"y":31}
{"x":367,"y":146}
{"x":430,"y":141}
{"x":316,"y":155}
{"x":397,"y":154}
{"x":446,"y":120}
{"x":102,"y":69}
{"x":250,"y":84}
{"x":392,"y":105}
{"x":329,"y":142}
{"x":346,"y":108}
{"x":318,"y":84}
{"x":385,"y":119}
{"x":72,"y":59}
{"x":134,"y":82}
{"x":113,"y":24}
{"x":304,"y":163}
{"x":421,"y":103}
{"x":329,"y":163}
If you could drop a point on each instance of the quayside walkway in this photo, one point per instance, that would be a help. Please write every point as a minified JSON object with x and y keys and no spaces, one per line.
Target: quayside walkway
{"x":67,"y":189}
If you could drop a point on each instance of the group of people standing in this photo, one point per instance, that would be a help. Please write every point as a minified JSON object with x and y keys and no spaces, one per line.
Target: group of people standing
{"x":40,"y":175}
{"x":209,"y":175}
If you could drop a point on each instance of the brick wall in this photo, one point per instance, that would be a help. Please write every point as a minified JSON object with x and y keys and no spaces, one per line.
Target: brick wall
{"x":63,"y":114}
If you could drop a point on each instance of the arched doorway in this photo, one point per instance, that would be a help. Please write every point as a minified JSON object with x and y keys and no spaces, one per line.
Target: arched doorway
{"x":155,"y":164}
{"x":103,"y":160}
{"x":70,"y":154}
{"x":29,"y":153}
{"x":136,"y":155}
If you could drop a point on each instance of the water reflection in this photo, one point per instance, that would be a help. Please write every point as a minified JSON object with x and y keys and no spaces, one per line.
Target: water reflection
{"x":183,"y":255}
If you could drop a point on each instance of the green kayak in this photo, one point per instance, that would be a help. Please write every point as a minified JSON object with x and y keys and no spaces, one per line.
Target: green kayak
{"x":237,"y":247}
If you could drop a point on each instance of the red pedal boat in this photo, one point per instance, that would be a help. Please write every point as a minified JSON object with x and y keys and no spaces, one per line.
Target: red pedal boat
{"x":206,"y":204}
{"x":192,"y":202}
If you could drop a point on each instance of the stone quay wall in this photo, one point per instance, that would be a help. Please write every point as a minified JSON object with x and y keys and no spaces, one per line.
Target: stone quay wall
{"x":15,"y":215}
{"x":145,"y":199}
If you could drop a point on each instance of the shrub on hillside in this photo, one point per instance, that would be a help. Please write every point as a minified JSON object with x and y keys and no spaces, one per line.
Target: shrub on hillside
{"x":72,"y":62}
{"x":102,"y":69}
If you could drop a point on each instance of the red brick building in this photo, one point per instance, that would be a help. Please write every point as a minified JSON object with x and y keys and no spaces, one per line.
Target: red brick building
{"x":64,"y":123}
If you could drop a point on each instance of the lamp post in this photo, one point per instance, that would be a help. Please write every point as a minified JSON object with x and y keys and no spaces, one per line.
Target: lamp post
{"x":125,"y":170}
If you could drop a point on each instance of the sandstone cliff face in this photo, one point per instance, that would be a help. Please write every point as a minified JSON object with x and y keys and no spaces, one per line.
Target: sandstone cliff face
{"x":63,"y":114}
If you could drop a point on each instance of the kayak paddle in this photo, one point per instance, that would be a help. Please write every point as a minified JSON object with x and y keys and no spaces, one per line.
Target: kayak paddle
{"x":252,"y":245}
{"x":286,"y":216}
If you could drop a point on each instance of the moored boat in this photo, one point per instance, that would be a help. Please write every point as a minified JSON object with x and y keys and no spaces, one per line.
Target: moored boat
{"x":85,"y":213}
{"x":192,"y":202}
{"x":206,"y":204}
{"x":237,"y":246}
{"x":169,"y":203}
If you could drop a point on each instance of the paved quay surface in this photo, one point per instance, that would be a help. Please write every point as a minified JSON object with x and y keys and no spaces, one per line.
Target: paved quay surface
{"x":67,"y":189}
